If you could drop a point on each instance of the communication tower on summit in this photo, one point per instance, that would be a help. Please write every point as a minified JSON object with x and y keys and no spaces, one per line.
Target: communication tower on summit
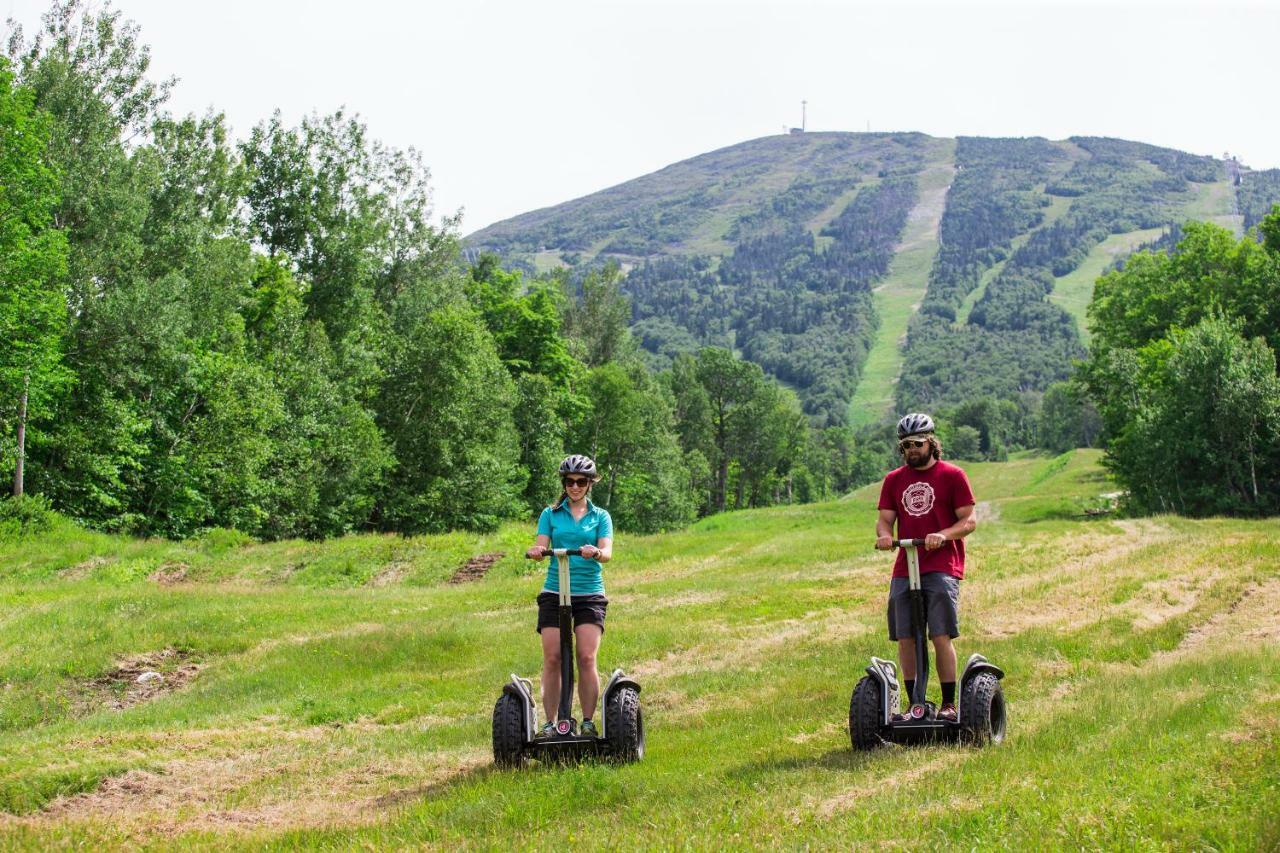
{"x":803,"y":118}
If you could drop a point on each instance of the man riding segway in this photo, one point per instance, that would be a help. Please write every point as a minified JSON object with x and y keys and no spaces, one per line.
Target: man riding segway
{"x":931,"y":500}
{"x":932,"y":505}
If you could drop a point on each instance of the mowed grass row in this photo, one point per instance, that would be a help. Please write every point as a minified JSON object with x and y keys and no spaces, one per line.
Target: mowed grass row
{"x":1142,"y":659}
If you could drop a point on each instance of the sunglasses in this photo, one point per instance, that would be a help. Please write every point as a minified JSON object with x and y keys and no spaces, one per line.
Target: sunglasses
{"x":576,"y":482}
{"x":912,"y":442}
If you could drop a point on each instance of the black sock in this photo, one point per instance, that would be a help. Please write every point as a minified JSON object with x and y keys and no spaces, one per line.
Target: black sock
{"x":948,"y":692}
{"x":911,"y":688}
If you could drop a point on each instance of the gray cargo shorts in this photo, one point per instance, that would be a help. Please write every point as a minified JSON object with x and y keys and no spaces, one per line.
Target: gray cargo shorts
{"x":941,"y":602}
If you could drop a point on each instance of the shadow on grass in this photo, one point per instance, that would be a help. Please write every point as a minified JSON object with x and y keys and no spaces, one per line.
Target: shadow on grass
{"x":431,"y":790}
{"x":835,"y":759}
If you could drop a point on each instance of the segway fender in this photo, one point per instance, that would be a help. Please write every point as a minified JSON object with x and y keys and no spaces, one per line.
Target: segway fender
{"x":886,"y":672}
{"x":977,"y":664}
{"x":520,"y":688}
{"x":617,"y":681}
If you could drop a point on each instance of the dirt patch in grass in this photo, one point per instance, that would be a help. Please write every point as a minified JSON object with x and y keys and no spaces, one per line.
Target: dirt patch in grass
{"x":139,"y":679}
{"x":82,"y":570}
{"x":390,"y":574}
{"x":169,"y":574}
{"x":476,"y":567}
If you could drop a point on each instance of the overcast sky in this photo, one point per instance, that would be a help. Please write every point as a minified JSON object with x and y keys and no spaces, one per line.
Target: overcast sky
{"x":523,"y":104}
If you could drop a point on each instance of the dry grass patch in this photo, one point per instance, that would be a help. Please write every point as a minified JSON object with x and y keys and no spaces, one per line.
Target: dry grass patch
{"x":1254,"y":617}
{"x":169,"y":574}
{"x":275,"y":787}
{"x":139,"y":679}
{"x":390,"y":574}
{"x":916,"y":770}
{"x":82,"y":570}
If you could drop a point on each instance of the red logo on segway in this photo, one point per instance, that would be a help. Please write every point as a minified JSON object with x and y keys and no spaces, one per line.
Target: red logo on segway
{"x":563,"y":727}
{"x":917,"y":711}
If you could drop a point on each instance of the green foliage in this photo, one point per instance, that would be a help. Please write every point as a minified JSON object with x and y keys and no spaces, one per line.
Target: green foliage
{"x":446,"y":411}
{"x":1202,"y":439}
{"x":964,"y":442}
{"x":801,"y":311}
{"x":1210,"y":272}
{"x":1067,"y":419}
{"x":25,"y":516}
{"x":1183,"y":373}
{"x":33,"y":252}
{"x":1118,"y":187}
{"x":1256,"y":195}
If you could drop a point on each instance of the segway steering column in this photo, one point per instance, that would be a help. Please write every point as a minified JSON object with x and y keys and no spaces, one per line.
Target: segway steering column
{"x":564,"y":717}
{"x":918,"y":622}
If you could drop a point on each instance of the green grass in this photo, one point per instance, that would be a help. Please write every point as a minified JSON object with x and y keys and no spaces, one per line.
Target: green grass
{"x":899,"y":295}
{"x":1074,"y":290}
{"x":1142,"y":660}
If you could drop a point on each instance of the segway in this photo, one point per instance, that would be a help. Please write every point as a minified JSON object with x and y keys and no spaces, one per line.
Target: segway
{"x":515,"y":716}
{"x":981,"y":711}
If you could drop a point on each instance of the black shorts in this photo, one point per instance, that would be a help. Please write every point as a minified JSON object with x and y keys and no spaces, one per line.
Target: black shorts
{"x":941,"y":602}
{"x":587,"y":610}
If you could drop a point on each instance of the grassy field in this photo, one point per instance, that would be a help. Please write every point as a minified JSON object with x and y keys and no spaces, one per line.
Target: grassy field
{"x":899,"y":295}
{"x":338,"y":695}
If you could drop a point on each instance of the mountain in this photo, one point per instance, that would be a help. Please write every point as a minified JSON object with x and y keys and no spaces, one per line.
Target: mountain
{"x":876,"y":272}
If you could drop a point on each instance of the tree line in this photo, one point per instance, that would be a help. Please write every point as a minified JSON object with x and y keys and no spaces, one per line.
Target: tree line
{"x":273,"y":334}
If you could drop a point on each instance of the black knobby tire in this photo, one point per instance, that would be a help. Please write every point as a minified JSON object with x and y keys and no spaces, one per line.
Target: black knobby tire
{"x":866,"y":714}
{"x":624,"y":725}
{"x":508,"y":731}
{"x":982,"y":710}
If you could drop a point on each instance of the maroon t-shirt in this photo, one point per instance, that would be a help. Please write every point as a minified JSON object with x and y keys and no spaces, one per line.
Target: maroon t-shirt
{"x":926,"y":502}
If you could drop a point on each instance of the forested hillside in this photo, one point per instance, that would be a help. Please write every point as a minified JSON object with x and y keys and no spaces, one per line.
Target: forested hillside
{"x":770,"y":248}
{"x":774,"y":248}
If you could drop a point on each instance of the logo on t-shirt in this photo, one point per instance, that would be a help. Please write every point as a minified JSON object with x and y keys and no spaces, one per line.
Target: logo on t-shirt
{"x":918,"y":498}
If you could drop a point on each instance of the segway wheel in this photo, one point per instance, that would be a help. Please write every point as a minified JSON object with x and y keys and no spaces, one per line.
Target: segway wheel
{"x":982,"y":712}
{"x":624,"y":726}
{"x":508,"y":732}
{"x":866,"y":718}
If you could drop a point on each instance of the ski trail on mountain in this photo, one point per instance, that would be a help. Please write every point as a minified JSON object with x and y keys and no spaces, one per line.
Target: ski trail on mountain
{"x":899,"y":296}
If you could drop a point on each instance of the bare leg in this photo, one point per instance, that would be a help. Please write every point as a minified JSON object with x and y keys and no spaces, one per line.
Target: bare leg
{"x":907,"y":658}
{"x":945,"y":653}
{"x":588,"y":679}
{"x":550,"y":672}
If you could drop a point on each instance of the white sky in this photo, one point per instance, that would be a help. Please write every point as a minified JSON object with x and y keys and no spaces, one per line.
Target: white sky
{"x":520,"y":104}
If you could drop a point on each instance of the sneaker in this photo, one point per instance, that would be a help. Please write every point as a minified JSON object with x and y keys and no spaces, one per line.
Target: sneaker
{"x":547,"y":730}
{"x":588,"y":729}
{"x":947,"y":713}
{"x":899,"y":718}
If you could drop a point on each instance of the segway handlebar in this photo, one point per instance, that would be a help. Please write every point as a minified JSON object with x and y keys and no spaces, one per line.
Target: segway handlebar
{"x":569,"y":552}
{"x":908,"y":543}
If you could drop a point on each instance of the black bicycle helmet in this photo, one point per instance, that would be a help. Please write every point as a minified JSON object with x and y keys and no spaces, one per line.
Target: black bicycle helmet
{"x":579,"y":464}
{"x":914,"y":424}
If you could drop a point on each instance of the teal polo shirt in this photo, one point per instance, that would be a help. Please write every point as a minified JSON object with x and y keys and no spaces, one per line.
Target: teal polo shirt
{"x":566,"y":532}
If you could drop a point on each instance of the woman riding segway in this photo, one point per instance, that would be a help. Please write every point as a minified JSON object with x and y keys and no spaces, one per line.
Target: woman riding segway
{"x":573,"y":522}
